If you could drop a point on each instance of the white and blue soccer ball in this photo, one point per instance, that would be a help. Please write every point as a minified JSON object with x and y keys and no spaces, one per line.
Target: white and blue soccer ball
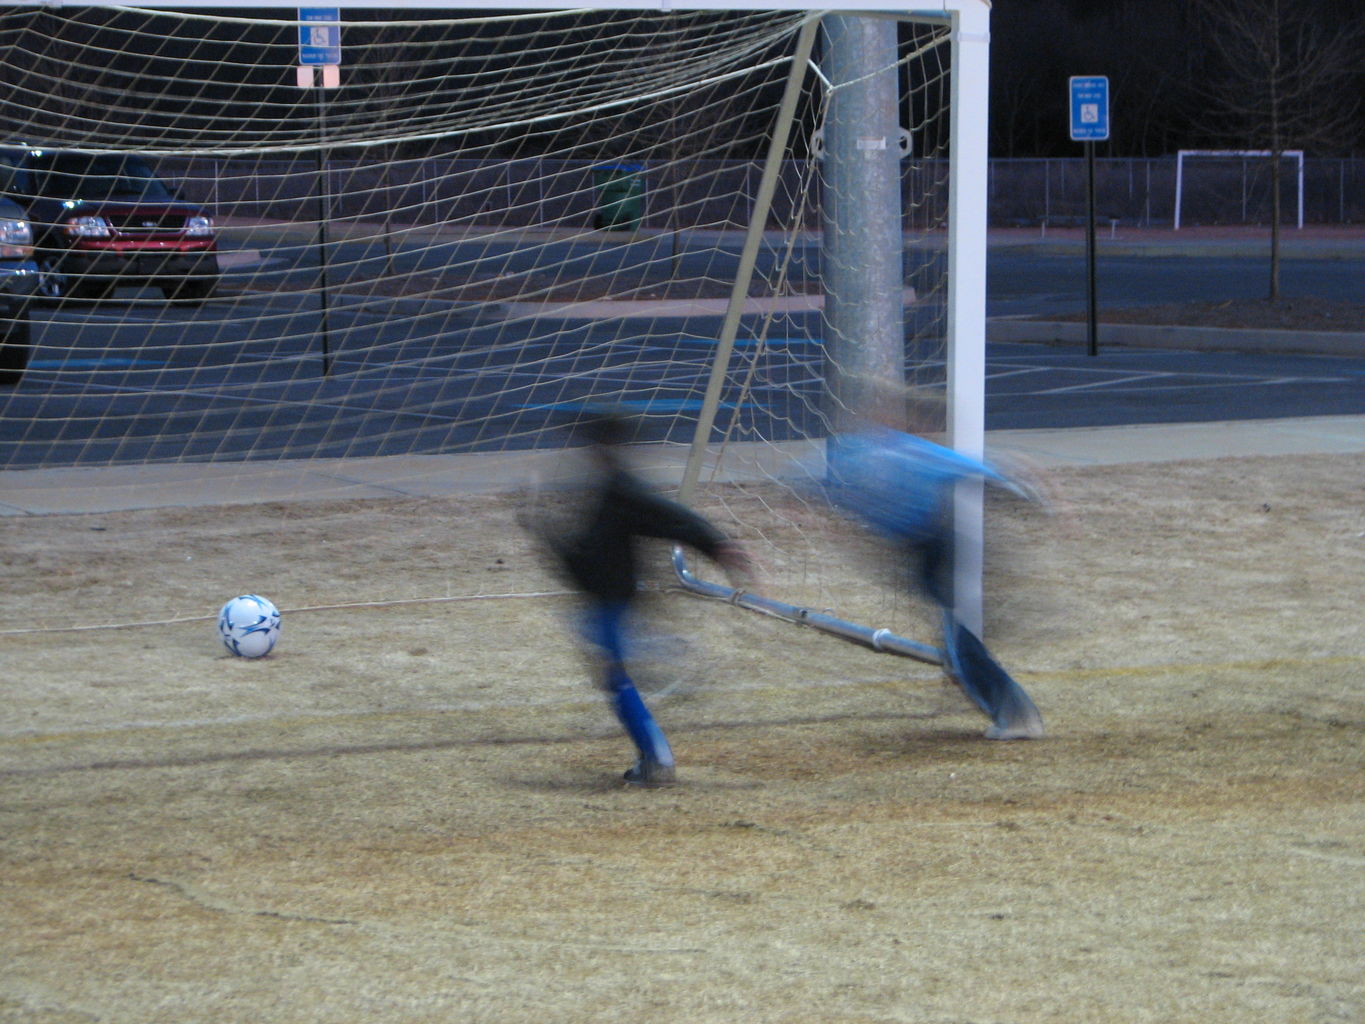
{"x":249,"y":626}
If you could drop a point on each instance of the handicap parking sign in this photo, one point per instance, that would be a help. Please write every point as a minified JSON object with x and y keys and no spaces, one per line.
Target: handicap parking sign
{"x":1089,"y":108}
{"x":319,"y":35}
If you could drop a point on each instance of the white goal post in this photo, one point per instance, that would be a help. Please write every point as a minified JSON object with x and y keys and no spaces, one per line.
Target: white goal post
{"x":1234,"y":154}
{"x":501,"y":213}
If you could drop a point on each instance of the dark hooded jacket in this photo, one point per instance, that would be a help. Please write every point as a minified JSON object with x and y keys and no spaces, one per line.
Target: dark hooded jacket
{"x":600,"y":556}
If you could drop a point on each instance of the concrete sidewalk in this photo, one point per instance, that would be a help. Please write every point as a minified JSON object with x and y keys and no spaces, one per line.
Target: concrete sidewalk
{"x":1173,"y":442}
{"x":74,"y":491}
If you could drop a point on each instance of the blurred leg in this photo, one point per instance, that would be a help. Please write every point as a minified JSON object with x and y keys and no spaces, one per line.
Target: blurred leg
{"x":606,"y":630}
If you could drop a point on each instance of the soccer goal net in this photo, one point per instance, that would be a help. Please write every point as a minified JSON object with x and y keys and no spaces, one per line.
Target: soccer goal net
{"x":437,"y":236}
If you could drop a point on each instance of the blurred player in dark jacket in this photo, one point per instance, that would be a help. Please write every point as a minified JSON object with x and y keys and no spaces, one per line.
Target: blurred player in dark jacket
{"x":599,"y":554}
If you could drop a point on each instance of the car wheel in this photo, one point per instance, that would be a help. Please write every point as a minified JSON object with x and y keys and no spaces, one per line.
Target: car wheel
{"x":15,"y":346}
{"x":56,"y":285}
{"x":190,"y":289}
{"x":53,"y":285}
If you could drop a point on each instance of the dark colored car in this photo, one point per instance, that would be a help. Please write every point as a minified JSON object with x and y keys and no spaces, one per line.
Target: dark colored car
{"x":101,"y":221}
{"x":18,"y":285}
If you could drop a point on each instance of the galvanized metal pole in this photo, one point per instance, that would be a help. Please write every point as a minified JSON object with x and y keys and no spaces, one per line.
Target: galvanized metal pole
{"x":862,"y":261}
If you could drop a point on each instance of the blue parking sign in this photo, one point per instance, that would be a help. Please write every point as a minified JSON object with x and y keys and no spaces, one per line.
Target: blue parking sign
{"x":319,"y":35}
{"x":1089,"y":108}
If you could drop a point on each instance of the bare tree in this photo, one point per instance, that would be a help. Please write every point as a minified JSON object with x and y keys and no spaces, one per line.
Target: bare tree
{"x":1283,"y":75}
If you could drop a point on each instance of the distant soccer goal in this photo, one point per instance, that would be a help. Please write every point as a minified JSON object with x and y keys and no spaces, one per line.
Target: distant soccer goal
{"x":438,"y":235}
{"x":1224,"y":170}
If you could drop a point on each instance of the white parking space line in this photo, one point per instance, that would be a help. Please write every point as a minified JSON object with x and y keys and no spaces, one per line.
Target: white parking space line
{"x":1022,"y":372}
{"x":1108,"y":385}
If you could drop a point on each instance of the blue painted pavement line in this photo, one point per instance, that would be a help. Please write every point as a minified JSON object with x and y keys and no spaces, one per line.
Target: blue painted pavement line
{"x":638,"y":405}
{"x":90,"y":364}
{"x":756,"y":342}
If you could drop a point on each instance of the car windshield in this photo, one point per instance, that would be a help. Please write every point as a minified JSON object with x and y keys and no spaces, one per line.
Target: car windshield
{"x":77,"y":176}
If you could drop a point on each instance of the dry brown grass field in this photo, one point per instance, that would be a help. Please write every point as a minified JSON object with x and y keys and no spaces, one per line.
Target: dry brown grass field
{"x":412,"y":812}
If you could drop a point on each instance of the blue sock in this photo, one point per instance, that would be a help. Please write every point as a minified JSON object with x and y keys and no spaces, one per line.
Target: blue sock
{"x":605,"y":629}
{"x":638,"y":722}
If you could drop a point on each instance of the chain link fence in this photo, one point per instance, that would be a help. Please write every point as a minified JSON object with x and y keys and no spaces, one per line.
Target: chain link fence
{"x":558,"y":193}
{"x":1225,"y":190}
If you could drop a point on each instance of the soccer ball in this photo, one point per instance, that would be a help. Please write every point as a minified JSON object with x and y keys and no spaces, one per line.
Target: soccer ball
{"x":249,"y":626}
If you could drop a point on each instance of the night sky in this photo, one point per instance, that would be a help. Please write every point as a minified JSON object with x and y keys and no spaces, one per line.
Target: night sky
{"x":1169,"y":81}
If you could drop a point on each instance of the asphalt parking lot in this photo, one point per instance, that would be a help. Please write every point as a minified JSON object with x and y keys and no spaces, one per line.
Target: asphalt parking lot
{"x":129,"y":381}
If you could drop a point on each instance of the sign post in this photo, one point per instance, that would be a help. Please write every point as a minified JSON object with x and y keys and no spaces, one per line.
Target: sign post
{"x":1090,"y":124}
{"x":320,"y":47}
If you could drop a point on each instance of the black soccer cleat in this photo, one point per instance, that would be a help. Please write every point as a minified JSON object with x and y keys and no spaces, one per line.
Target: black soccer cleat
{"x":651,"y":775}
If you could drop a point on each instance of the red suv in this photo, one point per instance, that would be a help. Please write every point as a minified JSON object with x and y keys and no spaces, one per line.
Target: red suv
{"x":101,"y":221}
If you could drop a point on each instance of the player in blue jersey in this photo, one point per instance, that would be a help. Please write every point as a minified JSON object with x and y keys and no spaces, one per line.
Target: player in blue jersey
{"x":901,"y":486}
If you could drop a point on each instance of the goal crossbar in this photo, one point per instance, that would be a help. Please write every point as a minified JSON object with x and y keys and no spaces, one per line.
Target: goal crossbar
{"x":918,"y":11}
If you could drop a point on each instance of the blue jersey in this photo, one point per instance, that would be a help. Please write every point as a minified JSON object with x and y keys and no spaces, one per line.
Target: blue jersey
{"x":897,"y":483}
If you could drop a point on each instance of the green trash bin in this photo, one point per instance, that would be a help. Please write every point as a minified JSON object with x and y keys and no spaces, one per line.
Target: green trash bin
{"x":620,"y":197}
